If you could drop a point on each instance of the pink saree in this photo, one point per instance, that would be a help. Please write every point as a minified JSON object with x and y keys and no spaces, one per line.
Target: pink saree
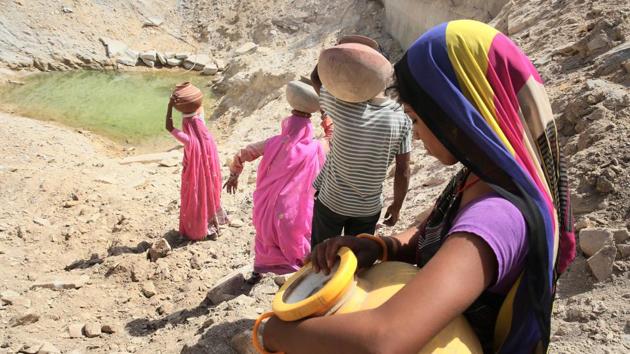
{"x":201,"y":178}
{"x":283,"y":200}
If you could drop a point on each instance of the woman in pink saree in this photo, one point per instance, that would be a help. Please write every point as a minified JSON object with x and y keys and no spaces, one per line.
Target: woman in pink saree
{"x":283,"y":199}
{"x":201,"y":173}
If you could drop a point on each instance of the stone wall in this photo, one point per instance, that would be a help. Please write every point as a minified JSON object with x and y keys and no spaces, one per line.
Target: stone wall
{"x":407,"y":19}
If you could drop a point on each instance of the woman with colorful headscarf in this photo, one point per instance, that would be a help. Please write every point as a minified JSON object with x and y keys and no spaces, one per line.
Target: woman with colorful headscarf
{"x":501,"y":231}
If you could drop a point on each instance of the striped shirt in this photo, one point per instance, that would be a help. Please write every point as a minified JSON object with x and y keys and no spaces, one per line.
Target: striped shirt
{"x":366,"y":140}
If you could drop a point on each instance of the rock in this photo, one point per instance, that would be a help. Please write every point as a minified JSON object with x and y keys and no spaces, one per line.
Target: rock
{"x":248,"y":47}
{"x":24,"y":319}
{"x":10,"y":297}
{"x":221,"y":64}
{"x":75,"y":330}
{"x":110,"y":328}
{"x":181,"y":55}
{"x":601,"y":263}
{"x":279,"y":280}
{"x":575,"y":314}
{"x":242,"y":301}
{"x":229,"y":285}
{"x":149,"y":55}
{"x":583,"y":223}
{"x":48,"y":348}
{"x":67,"y":10}
{"x":236,"y":223}
{"x":173,"y":62}
{"x":210,"y":69}
{"x":626,"y":66}
{"x":592,"y":240}
{"x":161,"y":58}
{"x":41,"y":222}
{"x":165,"y":308}
{"x":197,"y":62}
{"x":129,"y":58}
{"x":621,"y":235}
{"x":603,"y":185}
{"x":148,"y":289}
{"x":242,"y":343}
{"x":92,"y":329}
{"x":599,"y":41}
{"x":62,"y":282}
{"x":624,"y":251}
{"x":153,"y":22}
{"x":159,"y":249}
{"x":114,"y":48}
{"x":31,"y":348}
{"x":148,"y":62}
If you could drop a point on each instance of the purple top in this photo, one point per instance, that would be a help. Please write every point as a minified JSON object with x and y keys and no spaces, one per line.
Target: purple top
{"x":502,"y":226}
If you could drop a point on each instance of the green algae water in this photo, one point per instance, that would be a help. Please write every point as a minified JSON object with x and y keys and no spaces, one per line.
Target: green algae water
{"x":127,"y":107}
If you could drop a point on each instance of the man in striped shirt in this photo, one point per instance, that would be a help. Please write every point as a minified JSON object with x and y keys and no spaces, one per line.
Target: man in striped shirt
{"x":368,"y":136}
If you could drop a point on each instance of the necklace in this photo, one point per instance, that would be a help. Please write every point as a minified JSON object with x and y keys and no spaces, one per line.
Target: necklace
{"x":471,"y":183}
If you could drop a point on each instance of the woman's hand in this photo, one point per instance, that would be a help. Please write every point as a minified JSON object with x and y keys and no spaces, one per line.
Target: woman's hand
{"x":324,"y":255}
{"x":169,"y":114}
{"x":231,"y":184}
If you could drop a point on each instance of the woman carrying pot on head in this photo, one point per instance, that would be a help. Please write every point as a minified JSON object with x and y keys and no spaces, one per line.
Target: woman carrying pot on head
{"x":474,"y":98}
{"x":283,"y":199}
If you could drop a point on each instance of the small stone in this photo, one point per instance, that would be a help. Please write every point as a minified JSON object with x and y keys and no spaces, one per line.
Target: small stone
{"x":161,"y":58}
{"x":236,"y":223}
{"x":197,"y":62}
{"x":75,"y":330}
{"x":165,"y":308}
{"x":10,"y":297}
{"x":149,"y":63}
{"x":621,"y":236}
{"x":575,"y":315}
{"x":624,"y":251}
{"x":583,"y":223}
{"x":24,"y":319}
{"x":242,"y":343}
{"x":149,"y":55}
{"x":48,"y":348}
{"x":592,"y":240}
{"x":279,"y":280}
{"x":248,"y":47}
{"x":181,"y":55}
{"x":601,"y":263}
{"x":41,"y":222}
{"x":153,"y":22}
{"x":159,"y":249}
{"x":148,"y":289}
{"x":92,"y":329}
{"x":67,"y":10}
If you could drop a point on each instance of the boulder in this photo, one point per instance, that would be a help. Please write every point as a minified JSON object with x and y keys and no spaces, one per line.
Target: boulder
{"x":113,"y":47}
{"x":128,"y":58}
{"x":161,"y":58}
{"x":601,"y":263}
{"x":173,"y":62}
{"x":149,"y":55}
{"x":181,"y":55}
{"x":210,"y":69}
{"x":246,"y":48}
{"x":197,"y":62}
{"x":148,"y":63}
{"x":592,"y":240}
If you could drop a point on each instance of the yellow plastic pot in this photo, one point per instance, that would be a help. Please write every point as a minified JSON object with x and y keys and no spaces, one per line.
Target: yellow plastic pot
{"x":308,"y":294}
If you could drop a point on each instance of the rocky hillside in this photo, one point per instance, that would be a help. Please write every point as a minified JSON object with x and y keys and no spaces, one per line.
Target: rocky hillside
{"x":79,"y":215}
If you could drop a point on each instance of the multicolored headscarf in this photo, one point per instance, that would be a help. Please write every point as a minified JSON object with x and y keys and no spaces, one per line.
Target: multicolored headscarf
{"x":482,"y":97}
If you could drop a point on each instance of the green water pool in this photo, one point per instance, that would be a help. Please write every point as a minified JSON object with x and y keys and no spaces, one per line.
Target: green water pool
{"x":124,"y":106}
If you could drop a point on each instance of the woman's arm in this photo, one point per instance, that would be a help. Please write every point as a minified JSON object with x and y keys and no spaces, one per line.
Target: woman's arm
{"x":456,"y":276}
{"x":249,"y":153}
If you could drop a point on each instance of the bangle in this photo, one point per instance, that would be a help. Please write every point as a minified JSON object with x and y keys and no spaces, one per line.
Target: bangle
{"x":378,"y":240}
